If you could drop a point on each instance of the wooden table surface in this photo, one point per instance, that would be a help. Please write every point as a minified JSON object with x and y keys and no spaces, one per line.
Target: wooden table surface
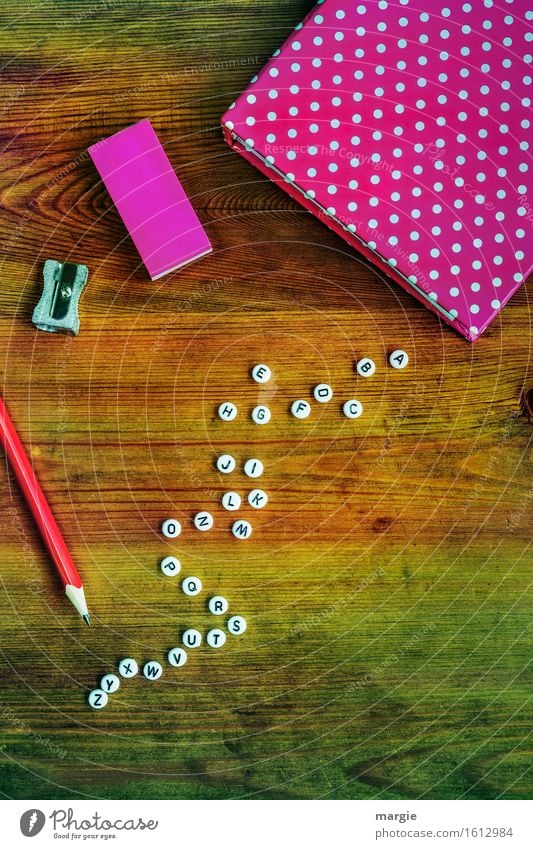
{"x":386,"y":583}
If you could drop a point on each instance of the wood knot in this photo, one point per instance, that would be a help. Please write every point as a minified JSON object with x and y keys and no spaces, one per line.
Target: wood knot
{"x":527,"y":404}
{"x":382,"y":524}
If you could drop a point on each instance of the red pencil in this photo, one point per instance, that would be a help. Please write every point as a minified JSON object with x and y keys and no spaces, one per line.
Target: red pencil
{"x":42,"y":513}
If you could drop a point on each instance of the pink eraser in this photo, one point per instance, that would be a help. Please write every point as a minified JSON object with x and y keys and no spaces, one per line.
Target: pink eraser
{"x":150,"y":199}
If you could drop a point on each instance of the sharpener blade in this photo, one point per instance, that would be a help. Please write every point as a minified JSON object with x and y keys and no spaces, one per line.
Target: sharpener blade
{"x":57,"y":310}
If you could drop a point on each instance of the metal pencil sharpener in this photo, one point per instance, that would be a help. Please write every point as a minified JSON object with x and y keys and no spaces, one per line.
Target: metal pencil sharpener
{"x":57,"y":310}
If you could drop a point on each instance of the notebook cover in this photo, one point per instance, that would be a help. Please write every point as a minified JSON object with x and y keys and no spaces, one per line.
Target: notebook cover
{"x":150,"y":199}
{"x":406,"y":130}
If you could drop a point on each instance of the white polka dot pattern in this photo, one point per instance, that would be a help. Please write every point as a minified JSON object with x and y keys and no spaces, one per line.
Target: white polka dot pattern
{"x":409,"y":129}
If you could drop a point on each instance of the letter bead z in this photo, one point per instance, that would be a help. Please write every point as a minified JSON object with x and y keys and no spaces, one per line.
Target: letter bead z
{"x":97,"y":699}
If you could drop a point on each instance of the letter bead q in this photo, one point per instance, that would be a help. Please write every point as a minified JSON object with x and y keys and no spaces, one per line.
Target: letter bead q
{"x":191,"y":586}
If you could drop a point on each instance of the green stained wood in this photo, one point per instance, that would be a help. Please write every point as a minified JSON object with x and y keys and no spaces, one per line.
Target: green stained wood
{"x":386,"y":585}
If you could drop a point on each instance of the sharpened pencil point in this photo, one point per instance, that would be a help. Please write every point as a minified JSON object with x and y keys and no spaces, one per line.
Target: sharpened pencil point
{"x":87,"y":620}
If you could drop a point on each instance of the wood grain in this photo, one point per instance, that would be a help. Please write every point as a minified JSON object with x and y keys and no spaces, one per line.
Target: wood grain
{"x":386,"y":585}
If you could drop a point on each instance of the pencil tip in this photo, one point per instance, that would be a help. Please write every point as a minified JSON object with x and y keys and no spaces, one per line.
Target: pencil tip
{"x":87,"y":620}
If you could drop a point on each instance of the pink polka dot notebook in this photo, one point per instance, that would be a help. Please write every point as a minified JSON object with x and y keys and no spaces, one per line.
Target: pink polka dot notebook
{"x":404,"y":126}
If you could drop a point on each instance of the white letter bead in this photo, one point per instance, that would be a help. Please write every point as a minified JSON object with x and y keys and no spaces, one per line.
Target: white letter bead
{"x":171,"y":528}
{"x":110,"y":683}
{"x":237,"y":624}
{"x":366,"y":367}
{"x":216,"y":638}
{"x":191,"y":638}
{"x":253,"y":468}
{"x":323,"y":392}
{"x":398,"y":359}
{"x":261,"y":373}
{"x":218,"y":605}
{"x":226,"y":464}
{"x":257,"y":498}
{"x":191,"y":586}
{"x":241,"y":529}
{"x":152,"y":670}
{"x":231,"y":501}
{"x":352,"y":409}
{"x":203,"y":521}
{"x":128,"y":667}
{"x":261,"y":414}
{"x":170,"y":566}
{"x":177,"y":657}
{"x":97,"y":699}
{"x":300,"y":409}
{"x":227,"y":411}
